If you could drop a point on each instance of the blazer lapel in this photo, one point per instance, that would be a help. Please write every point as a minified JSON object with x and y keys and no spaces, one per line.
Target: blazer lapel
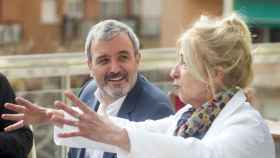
{"x":130,"y":101}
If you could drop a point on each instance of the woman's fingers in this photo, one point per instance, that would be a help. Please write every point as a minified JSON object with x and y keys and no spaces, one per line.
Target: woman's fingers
{"x":69,"y":134}
{"x":60,"y":121}
{"x":70,"y":95}
{"x":61,"y":105}
{"x":13,"y":117}
{"x":14,"y":126}
{"x":26,"y":103}
{"x":14,"y":107}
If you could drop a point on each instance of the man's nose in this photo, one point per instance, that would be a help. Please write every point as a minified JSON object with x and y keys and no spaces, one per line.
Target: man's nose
{"x":115,"y":67}
{"x":174,"y":73}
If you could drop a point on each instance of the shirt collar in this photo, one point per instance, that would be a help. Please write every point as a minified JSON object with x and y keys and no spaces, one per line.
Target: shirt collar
{"x":113,"y":108}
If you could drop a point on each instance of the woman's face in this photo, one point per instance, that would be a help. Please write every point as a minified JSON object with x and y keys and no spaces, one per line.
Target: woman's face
{"x":189,"y":89}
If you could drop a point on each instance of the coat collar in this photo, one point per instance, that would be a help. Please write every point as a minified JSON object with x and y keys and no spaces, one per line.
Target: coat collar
{"x":232,"y":107}
{"x":130,"y":101}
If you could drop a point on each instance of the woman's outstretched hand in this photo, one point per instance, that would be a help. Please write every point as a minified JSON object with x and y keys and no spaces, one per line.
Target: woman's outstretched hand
{"x":27,"y":113}
{"x":90,"y":125}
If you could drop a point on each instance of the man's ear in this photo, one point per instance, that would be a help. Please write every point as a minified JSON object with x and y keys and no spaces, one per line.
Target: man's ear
{"x":138,"y":57}
{"x":89,"y":63}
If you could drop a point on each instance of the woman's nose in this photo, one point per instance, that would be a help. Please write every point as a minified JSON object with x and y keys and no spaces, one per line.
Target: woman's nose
{"x":174,"y":73}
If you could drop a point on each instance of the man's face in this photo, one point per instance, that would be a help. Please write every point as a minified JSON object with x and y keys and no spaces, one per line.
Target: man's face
{"x":114,"y":65}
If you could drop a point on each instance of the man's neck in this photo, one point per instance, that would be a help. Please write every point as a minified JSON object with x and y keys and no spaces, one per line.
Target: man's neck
{"x":105,"y":99}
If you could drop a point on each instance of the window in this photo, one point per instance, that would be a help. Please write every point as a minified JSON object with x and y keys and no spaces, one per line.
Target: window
{"x":275,"y":35}
{"x":10,"y":33}
{"x":260,"y":35}
{"x":150,"y":27}
{"x":136,"y":7}
{"x":112,"y":8}
{"x":150,"y":15}
{"x":257,"y":34}
{"x":74,"y":9}
{"x":49,"y":12}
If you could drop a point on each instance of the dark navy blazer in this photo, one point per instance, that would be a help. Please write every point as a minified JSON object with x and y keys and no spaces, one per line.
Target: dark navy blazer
{"x":144,"y":101}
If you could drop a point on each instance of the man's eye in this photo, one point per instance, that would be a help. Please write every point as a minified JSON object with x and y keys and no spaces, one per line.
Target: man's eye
{"x":124,"y":57}
{"x":102,"y":61}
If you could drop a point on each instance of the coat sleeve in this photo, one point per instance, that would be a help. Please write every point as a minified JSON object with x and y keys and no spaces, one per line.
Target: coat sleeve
{"x":19,"y":142}
{"x":245,"y":138}
{"x":80,"y":142}
{"x":156,"y":126}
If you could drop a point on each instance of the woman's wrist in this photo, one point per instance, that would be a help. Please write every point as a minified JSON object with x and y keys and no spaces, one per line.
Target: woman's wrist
{"x":51,"y":113}
{"x":43,"y":117}
{"x":121,"y":139}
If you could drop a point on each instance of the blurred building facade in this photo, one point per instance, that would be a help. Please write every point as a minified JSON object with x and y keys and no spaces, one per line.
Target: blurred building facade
{"x":261,"y":15}
{"x":178,"y":15}
{"x":29,"y":26}
{"x":61,"y":25}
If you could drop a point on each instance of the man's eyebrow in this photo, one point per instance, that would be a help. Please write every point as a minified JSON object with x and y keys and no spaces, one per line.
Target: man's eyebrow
{"x":100,"y":57}
{"x":123,"y":52}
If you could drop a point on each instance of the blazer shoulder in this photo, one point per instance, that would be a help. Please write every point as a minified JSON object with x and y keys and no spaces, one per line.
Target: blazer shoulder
{"x":88,"y":88}
{"x":153,"y":93}
{"x":87,"y":91}
{"x":155,"y":101}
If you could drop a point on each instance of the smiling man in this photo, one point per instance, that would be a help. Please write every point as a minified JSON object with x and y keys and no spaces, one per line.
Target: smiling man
{"x":117,"y":89}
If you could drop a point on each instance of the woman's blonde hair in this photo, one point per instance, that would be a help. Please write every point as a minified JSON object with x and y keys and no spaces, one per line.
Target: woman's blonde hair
{"x":224,"y":43}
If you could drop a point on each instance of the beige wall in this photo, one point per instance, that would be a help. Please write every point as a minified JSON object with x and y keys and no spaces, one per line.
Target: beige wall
{"x":178,"y":15}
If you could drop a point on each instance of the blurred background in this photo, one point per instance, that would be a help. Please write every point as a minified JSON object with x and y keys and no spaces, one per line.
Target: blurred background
{"x":42,"y":41}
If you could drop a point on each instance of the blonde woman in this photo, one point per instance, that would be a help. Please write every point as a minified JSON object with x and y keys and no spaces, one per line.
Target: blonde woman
{"x":215,"y":65}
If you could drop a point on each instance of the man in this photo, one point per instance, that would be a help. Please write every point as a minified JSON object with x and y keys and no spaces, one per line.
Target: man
{"x":16,"y":144}
{"x":113,"y":57}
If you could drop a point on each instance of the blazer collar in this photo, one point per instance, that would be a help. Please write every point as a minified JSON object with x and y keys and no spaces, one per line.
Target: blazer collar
{"x":130,"y":101}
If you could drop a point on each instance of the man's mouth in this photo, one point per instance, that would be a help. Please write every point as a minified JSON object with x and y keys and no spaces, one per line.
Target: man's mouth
{"x":118,"y":78}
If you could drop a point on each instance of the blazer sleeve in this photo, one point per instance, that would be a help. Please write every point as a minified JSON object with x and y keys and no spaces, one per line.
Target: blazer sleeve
{"x":17,"y":143}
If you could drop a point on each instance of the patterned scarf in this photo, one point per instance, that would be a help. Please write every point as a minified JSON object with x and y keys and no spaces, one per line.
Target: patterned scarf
{"x":196,"y":122}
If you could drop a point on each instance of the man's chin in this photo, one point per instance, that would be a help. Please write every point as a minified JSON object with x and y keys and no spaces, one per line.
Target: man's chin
{"x":117,"y":92}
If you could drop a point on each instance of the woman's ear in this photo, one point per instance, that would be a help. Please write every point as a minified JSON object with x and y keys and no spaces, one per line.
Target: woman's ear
{"x":219,"y":74}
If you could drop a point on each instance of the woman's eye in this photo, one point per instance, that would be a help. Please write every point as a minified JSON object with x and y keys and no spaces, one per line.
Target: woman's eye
{"x":182,"y":62}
